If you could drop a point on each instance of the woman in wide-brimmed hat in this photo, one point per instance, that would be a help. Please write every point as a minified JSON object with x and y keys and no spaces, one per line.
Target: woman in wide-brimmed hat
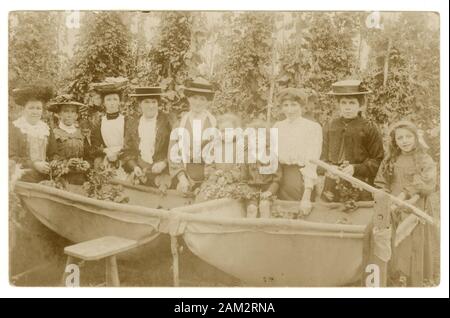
{"x":299,"y":140}
{"x":108,"y":136}
{"x":351,"y":143}
{"x":68,"y":142}
{"x":29,"y":135}
{"x":200,"y":94}
{"x":147,"y":142}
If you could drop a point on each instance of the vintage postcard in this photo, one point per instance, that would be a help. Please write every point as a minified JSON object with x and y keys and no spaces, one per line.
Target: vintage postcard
{"x":224,"y":148}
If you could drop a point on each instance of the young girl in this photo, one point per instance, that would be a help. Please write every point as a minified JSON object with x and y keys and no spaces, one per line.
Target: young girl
{"x":409,"y":173}
{"x":68,"y":142}
{"x":265,"y":186}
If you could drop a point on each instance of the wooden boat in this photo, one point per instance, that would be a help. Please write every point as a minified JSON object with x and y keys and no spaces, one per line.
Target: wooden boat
{"x":327,"y":248}
{"x":79,"y":218}
{"x":316,"y":251}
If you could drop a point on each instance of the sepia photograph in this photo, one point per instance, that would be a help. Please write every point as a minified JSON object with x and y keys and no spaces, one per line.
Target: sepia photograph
{"x":224,"y":148}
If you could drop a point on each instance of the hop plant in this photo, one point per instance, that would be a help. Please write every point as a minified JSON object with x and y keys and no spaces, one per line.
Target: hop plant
{"x":99,"y":186}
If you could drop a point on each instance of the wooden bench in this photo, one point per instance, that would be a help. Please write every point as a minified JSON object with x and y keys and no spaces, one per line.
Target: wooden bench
{"x":107,"y":248}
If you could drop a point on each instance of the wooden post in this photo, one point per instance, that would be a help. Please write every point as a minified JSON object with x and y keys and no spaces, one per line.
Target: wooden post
{"x":386,"y":62}
{"x":272,"y":80}
{"x":381,"y":221}
{"x":112,"y":272}
{"x":70,"y":260}
{"x":174,"y":249}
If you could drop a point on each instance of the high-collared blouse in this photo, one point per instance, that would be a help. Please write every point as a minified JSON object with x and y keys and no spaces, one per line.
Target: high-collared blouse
{"x":299,"y":141}
{"x":36,"y":138}
{"x":112,"y":131}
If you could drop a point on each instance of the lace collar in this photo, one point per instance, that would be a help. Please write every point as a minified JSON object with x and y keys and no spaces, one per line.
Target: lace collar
{"x":68,"y":129}
{"x":39,"y":130}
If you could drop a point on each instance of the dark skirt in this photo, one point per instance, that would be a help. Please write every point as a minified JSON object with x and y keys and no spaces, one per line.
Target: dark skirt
{"x":292,"y":185}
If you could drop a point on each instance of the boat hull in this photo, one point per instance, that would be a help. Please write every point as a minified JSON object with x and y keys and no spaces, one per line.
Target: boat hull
{"x":78,"y":218}
{"x":277,"y":252}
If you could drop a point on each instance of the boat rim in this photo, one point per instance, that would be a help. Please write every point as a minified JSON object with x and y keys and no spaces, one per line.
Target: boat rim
{"x":181,"y":214}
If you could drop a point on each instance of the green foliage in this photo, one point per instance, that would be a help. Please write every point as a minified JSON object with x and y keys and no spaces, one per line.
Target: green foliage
{"x":244,"y":72}
{"x":33,"y":51}
{"x":33,"y":48}
{"x":411,"y":90}
{"x":173,"y":58}
{"x":102,"y":51}
{"x":310,"y":50}
{"x":320,"y":52}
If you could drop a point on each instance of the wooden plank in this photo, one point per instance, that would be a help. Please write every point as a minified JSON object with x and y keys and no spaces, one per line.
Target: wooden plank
{"x":381,"y":221}
{"x":100,"y":248}
{"x":373,"y":190}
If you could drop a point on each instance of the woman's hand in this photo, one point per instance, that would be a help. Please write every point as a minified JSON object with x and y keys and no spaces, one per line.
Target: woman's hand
{"x":183,"y":184}
{"x":42,"y":166}
{"x":138,"y":171}
{"x":305,"y":207}
{"x":98,"y":163}
{"x":158,"y":167}
{"x":349,"y":169}
{"x":112,"y":157}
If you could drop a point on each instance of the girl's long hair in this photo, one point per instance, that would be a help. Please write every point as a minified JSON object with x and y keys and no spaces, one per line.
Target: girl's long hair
{"x":394,"y":150}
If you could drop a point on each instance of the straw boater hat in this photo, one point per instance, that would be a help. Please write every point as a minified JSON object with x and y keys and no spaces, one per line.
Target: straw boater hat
{"x":61,"y":100}
{"x":147,"y":91}
{"x":111,"y":85}
{"x":25,"y":93}
{"x":348,"y":88}
{"x":199,"y":86}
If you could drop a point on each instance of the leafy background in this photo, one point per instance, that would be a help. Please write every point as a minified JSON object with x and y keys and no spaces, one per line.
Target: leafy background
{"x":248,"y":55}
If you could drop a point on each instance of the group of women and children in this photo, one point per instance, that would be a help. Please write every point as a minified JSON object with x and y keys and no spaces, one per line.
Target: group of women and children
{"x":140,"y":147}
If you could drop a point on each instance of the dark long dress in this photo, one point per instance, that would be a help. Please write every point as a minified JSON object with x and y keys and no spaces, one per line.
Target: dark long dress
{"x":131,"y":153}
{"x":64,"y":146}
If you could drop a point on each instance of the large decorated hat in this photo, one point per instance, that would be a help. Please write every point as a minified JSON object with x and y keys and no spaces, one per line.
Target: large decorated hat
{"x":148,"y":91}
{"x":61,"y":100}
{"x":348,"y":87}
{"x":199,"y":86}
{"x":111,"y":85}
{"x":29,"y":92}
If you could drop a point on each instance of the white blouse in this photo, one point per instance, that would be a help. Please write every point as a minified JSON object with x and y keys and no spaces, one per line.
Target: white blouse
{"x":299,"y":141}
{"x":147,"y":138}
{"x":112,"y":133}
{"x":37,"y":137}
